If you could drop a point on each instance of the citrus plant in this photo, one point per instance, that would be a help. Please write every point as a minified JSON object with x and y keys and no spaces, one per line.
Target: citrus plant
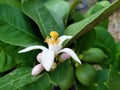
{"x":75,"y":49}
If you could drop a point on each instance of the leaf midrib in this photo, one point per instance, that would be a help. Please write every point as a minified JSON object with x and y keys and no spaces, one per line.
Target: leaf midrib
{"x":19,"y":28}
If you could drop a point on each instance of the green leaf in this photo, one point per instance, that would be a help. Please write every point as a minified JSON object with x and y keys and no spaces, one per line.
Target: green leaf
{"x":16,"y":79}
{"x":63,"y":77}
{"x":47,"y":21}
{"x":26,"y":59}
{"x":95,"y":8}
{"x":113,"y":82}
{"x":98,"y":6}
{"x":14,"y":29}
{"x":86,"y":41}
{"x":77,"y":16}
{"x":6,"y":61}
{"x":117,"y":59}
{"x":102,"y":78}
{"x":60,"y":7}
{"x":41,"y":84}
{"x":14,"y":3}
{"x":105,"y":41}
{"x":117,"y":47}
{"x":9,"y":57}
{"x":79,"y":28}
{"x":104,"y":24}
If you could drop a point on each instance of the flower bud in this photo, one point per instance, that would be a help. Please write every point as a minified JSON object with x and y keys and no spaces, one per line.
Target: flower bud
{"x":54,"y":66}
{"x":64,"y":56}
{"x":39,"y":56}
{"x":37,"y":69}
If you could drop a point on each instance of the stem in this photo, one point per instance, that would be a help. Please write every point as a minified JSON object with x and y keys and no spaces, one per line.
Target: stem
{"x":72,"y":7}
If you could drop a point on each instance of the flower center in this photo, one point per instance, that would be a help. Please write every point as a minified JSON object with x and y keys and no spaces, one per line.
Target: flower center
{"x":53,"y":39}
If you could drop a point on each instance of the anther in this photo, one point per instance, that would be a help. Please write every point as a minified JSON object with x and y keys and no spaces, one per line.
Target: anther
{"x":54,"y":34}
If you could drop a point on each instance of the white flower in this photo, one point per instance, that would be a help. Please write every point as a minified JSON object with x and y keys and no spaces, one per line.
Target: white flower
{"x":46,"y":58}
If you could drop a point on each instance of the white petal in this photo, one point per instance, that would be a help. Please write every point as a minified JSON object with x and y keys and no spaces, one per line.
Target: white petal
{"x":55,"y":47}
{"x":51,"y":47}
{"x":37,"y":69}
{"x":71,"y":53}
{"x":47,"y":59}
{"x":32,"y":48}
{"x":63,"y":38}
{"x":58,"y":47}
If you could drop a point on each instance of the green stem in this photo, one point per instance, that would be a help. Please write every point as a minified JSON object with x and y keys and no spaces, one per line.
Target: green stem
{"x":72,"y":7}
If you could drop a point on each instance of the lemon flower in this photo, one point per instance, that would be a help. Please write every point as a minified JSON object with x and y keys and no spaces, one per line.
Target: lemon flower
{"x":47,"y":56}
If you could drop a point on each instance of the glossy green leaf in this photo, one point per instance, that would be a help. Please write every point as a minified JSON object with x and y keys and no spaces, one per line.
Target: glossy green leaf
{"x":77,"y":16}
{"x":41,"y":84}
{"x":104,"y":24}
{"x":79,"y":28}
{"x":117,"y":47}
{"x":25,"y":59}
{"x":95,"y":8}
{"x":117,"y":59}
{"x":8,"y":57}
{"x":14,"y":29}
{"x":113,"y":82}
{"x":6,"y":61}
{"x":98,"y":6}
{"x":14,"y":3}
{"x":60,"y":7}
{"x":102,"y":78}
{"x":18,"y":78}
{"x":63,"y":77}
{"x":46,"y":20}
{"x":86,"y":41}
{"x":105,"y":38}
{"x":105,"y":41}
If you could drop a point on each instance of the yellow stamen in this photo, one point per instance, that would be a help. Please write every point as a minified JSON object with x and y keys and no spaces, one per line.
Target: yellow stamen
{"x":54,"y":34}
{"x":54,"y":38}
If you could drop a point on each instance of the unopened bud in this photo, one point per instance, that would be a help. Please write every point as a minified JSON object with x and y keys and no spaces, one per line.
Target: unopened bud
{"x":64,"y":56}
{"x":39,"y":56}
{"x":37,"y":70}
{"x":53,"y":66}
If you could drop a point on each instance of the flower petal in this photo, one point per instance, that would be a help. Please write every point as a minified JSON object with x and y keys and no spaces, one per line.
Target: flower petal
{"x":56,"y":48}
{"x":47,"y":59}
{"x":63,"y":38}
{"x":37,"y":69}
{"x":32,"y":48}
{"x":51,"y":47}
{"x":71,"y":53}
